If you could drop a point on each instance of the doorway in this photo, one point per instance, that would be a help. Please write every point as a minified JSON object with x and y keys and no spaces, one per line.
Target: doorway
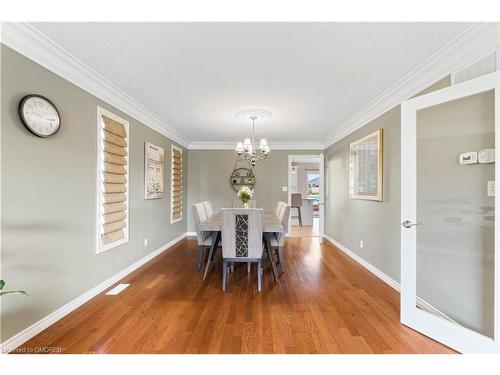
{"x":305,"y":195}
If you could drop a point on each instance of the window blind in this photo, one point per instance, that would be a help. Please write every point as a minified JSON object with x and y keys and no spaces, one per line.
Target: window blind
{"x":112,"y":180}
{"x":176,"y":191}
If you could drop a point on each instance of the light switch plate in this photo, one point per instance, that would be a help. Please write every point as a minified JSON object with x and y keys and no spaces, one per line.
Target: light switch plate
{"x":284,"y":188}
{"x":486,"y":155}
{"x":491,"y":188}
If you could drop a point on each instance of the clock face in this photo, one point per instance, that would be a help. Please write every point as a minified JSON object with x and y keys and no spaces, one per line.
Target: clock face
{"x":39,"y":115}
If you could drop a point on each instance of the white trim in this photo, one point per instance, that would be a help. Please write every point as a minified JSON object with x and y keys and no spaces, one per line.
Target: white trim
{"x":384,"y":277}
{"x":475,"y":41}
{"x":26,"y":334}
{"x":230,"y":145}
{"x":172,"y":220}
{"x":451,"y":334}
{"x":100,"y":160}
{"x":28,"y":41}
{"x":190,"y":234}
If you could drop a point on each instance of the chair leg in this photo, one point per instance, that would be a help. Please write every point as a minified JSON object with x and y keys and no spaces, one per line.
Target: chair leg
{"x":281,"y":257}
{"x":300,"y":216}
{"x":198,"y":259}
{"x":207,"y":267}
{"x":259,"y":275}
{"x":249,"y":267}
{"x":232,"y":267}
{"x":224,"y":274}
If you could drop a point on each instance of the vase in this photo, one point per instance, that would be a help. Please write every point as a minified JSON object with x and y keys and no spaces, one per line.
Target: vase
{"x":245,"y":205}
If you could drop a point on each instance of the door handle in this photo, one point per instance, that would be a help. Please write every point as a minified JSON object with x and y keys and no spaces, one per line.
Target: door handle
{"x":409,"y":224}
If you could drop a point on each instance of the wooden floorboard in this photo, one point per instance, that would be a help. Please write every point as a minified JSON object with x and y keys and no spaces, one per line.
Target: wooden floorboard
{"x":324,"y":303}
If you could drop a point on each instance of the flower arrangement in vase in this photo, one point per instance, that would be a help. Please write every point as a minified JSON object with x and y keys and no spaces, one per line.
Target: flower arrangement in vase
{"x":245,"y":194}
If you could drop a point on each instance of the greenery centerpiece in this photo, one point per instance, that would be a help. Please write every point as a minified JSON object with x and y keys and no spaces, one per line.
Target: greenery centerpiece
{"x":2,"y":292}
{"x":245,"y":194}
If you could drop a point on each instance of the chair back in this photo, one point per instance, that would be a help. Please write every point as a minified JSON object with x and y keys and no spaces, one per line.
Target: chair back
{"x":242,"y":231}
{"x":208,"y":208}
{"x":278,"y":208}
{"x":252,"y":203}
{"x":200,"y":215}
{"x":285,"y":215}
{"x":281,"y":208}
{"x":296,"y":200}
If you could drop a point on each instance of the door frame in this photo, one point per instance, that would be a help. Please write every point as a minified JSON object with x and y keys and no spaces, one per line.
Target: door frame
{"x":455,"y":336}
{"x":320,"y":158}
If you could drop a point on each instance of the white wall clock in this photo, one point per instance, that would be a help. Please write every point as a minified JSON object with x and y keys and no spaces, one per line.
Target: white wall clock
{"x":39,"y":115}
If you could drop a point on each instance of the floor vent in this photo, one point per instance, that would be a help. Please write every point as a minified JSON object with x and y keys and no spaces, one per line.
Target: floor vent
{"x":117,"y":289}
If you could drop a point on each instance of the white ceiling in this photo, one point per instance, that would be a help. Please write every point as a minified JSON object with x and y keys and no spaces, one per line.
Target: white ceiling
{"x":196,"y":76}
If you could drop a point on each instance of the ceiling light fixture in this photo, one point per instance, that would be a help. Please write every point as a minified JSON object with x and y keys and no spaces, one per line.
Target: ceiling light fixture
{"x":247,"y":150}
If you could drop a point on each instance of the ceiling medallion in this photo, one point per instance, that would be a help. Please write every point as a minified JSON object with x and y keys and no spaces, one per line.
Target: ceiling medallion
{"x":247,"y":150}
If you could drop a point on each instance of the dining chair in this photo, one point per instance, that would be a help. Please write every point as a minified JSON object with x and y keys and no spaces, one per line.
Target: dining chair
{"x":205,"y":239}
{"x":296,"y":202}
{"x":281,"y":208}
{"x":277,"y":241}
{"x":208,"y":208}
{"x":242,"y":231}
{"x":278,"y":208}
{"x":252,"y":203}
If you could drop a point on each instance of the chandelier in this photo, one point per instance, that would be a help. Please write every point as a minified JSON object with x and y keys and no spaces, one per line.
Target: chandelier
{"x":247,"y":149}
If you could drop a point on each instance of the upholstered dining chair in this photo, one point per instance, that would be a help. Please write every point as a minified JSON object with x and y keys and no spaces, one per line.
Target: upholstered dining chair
{"x":252,"y":203}
{"x":208,"y":208}
{"x":205,"y":239}
{"x":277,"y":241}
{"x":279,"y":207}
{"x":242,"y":231}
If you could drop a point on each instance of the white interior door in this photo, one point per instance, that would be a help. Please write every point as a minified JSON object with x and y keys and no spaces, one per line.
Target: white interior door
{"x":449,"y":227}
{"x":321,"y":197}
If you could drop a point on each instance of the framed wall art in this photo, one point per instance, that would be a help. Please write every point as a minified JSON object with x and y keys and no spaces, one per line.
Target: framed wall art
{"x":366,"y":167}
{"x":154,"y":162}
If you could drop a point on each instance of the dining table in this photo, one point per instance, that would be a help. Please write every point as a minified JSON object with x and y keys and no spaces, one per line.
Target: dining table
{"x":271,"y":225}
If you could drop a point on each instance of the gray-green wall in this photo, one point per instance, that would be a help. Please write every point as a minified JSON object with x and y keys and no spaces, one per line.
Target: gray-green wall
{"x":375,"y":223}
{"x":209,"y":172}
{"x":49,"y":198}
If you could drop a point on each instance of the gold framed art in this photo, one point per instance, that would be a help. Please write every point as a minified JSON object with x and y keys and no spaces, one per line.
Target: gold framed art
{"x":366,"y":167}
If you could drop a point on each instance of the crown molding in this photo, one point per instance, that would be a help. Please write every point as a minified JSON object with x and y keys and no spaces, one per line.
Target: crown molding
{"x":477,"y":40}
{"x":230,"y":145}
{"x":31,"y":43}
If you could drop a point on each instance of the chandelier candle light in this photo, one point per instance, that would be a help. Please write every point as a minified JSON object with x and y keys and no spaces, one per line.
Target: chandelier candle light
{"x":247,"y":149}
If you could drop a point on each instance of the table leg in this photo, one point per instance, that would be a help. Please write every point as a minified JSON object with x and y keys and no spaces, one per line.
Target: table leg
{"x":211,"y":254}
{"x":270,"y":256}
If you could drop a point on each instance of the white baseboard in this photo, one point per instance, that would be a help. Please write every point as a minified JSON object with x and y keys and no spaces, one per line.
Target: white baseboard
{"x":26,"y":334}
{"x":385,"y":278}
{"x":370,"y":267}
{"x":190,"y":234}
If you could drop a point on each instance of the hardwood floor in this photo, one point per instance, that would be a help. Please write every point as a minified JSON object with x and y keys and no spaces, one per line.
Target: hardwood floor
{"x":306,"y":230}
{"x":325,"y":303}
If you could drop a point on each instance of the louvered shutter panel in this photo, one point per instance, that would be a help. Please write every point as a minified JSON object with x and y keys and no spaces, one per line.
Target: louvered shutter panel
{"x":176,"y":190}
{"x":113,"y":180}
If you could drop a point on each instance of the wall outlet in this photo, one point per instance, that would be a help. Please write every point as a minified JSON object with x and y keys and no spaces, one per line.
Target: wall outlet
{"x":361,"y":244}
{"x":284,"y":188}
{"x":145,"y":242}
